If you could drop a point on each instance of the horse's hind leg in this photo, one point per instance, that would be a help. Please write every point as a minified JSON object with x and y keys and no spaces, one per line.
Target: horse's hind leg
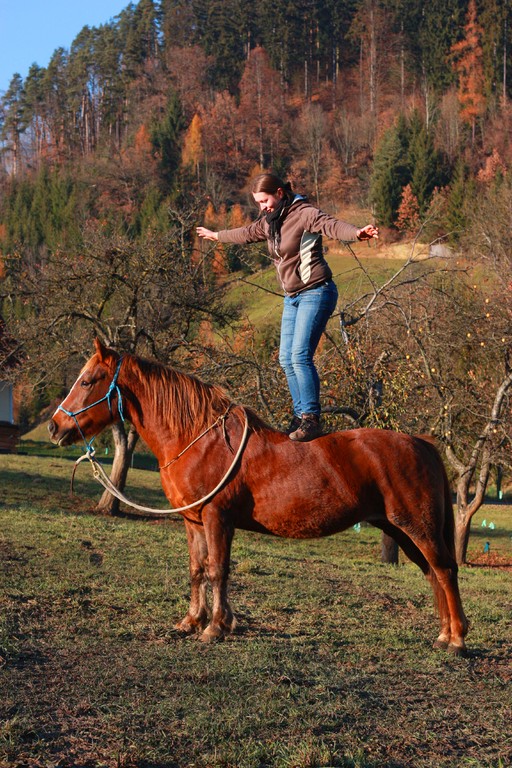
{"x":414,"y":554}
{"x":445,"y":570}
{"x":442,"y":574}
{"x":197,"y":615}
{"x":441,"y":570}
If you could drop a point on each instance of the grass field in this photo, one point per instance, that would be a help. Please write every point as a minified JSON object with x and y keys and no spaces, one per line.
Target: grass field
{"x":263,"y":308}
{"x":331,"y":664}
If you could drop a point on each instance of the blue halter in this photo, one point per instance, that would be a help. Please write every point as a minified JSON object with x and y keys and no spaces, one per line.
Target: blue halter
{"x":113,"y":388}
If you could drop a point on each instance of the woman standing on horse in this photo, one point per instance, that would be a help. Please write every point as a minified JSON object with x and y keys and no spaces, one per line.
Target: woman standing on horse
{"x":293,"y":229}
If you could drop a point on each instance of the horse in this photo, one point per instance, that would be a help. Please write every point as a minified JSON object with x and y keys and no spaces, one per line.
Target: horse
{"x":391,"y":480}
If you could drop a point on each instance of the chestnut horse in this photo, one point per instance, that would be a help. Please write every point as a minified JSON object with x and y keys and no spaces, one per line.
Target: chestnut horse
{"x":394,"y":481}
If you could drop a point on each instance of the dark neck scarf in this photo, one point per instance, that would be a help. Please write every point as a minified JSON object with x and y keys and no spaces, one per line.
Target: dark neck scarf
{"x":275,"y":218}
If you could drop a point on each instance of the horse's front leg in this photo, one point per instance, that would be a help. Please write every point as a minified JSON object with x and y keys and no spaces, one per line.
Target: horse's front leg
{"x":197,"y":615}
{"x":219,"y":535}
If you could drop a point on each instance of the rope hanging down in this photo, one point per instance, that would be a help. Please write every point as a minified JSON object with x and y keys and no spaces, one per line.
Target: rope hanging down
{"x":104,"y":480}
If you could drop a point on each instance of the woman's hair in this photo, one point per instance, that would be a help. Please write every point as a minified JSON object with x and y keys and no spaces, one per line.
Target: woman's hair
{"x":269,"y":183}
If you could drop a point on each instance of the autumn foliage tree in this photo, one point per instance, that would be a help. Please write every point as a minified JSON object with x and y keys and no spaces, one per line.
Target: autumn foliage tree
{"x":193,"y":152}
{"x":468,"y":64}
{"x":408,"y":212}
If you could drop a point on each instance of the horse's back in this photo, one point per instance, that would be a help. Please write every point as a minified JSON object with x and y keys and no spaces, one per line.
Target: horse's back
{"x":313,"y":489}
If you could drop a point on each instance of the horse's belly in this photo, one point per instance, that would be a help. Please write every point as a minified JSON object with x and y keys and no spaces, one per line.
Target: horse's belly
{"x":316,"y":496}
{"x":305,"y":518}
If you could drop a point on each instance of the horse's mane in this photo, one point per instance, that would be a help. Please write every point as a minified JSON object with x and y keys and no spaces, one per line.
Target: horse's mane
{"x":183,"y":402}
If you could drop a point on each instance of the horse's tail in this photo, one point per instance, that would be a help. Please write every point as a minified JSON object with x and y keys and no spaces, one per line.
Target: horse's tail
{"x":449,"y":517}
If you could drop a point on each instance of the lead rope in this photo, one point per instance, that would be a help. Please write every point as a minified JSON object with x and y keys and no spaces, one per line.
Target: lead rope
{"x":104,"y":480}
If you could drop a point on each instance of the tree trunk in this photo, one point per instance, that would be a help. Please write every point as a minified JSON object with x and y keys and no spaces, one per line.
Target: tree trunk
{"x":389,"y":550}
{"x":373,"y":63}
{"x":482,"y":453}
{"x":462,"y":530}
{"x":124,"y":445}
{"x":467,"y":506}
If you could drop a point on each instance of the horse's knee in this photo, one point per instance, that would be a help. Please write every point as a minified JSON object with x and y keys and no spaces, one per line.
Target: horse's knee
{"x":197,"y":571}
{"x":218,"y":575}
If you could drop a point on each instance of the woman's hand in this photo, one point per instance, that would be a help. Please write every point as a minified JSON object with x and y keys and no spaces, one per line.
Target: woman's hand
{"x":368,"y":233}
{"x":207,"y":234}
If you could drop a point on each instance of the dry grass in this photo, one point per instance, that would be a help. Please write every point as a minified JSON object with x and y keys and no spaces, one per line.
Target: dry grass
{"x":332,"y":663}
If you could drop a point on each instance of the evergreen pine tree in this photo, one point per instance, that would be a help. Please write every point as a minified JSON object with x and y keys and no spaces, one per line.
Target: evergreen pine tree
{"x":82,"y":89}
{"x":424,"y":164}
{"x":459,"y":196}
{"x":390,"y":175}
{"x":59,"y":115}
{"x":138,"y":34}
{"x":223,"y":35}
{"x":153,"y":215}
{"x":166,"y":138}
{"x":109,"y":75}
{"x":177,"y":23}
{"x":439,"y":29}
{"x":34,"y":109}
{"x":496,"y":20}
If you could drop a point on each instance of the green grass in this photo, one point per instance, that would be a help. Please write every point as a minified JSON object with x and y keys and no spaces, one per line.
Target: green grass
{"x":331,"y":664}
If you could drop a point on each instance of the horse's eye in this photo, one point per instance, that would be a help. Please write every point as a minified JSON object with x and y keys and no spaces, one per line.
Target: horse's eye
{"x":85,"y":383}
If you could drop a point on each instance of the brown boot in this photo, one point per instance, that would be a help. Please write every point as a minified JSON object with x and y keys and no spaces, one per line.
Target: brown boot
{"x":294,"y":424}
{"x":309,"y":428}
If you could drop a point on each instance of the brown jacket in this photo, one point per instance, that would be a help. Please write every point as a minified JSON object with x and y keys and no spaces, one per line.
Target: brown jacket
{"x":298,"y":258}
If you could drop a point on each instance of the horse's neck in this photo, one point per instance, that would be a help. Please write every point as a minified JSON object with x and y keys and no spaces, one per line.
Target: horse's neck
{"x":142,"y":412}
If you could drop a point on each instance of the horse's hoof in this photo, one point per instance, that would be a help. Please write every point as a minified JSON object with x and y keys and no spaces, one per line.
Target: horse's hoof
{"x":441,"y":645}
{"x":457,"y":650}
{"x":186,"y":627}
{"x":212,"y":635}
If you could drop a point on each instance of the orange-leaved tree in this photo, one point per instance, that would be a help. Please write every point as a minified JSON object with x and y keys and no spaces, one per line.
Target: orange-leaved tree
{"x":468,"y":64}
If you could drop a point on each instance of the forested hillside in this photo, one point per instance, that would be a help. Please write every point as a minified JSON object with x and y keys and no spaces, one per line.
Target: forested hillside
{"x":387,"y":103}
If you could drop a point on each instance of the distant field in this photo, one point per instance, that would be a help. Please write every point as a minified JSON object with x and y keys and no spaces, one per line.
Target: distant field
{"x":331,"y":664}
{"x":263,"y":308}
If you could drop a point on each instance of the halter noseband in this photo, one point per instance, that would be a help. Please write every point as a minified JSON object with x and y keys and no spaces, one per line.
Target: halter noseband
{"x":113,"y":388}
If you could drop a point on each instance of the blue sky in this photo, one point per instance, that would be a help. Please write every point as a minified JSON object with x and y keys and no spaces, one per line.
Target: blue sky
{"x":31,"y":30}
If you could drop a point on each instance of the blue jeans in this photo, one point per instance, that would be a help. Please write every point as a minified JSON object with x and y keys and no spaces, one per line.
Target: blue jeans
{"x":304,"y":319}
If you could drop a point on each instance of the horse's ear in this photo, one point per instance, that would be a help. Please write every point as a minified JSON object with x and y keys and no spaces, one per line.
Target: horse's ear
{"x":101,"y":350}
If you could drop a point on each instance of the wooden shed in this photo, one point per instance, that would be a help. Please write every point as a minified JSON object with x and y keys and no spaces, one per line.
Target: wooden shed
{"x":9,"y":430}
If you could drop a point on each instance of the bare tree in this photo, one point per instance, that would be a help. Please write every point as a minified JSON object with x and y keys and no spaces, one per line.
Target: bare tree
{"x":447,"y":338}
{"x":147,"y":298}
{"x":426,"y":350}
{"x":259,"y":113}
{"x":312,"y":137}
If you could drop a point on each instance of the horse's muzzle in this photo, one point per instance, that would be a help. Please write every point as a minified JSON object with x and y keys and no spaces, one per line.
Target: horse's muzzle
{"x":62,"y":436}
